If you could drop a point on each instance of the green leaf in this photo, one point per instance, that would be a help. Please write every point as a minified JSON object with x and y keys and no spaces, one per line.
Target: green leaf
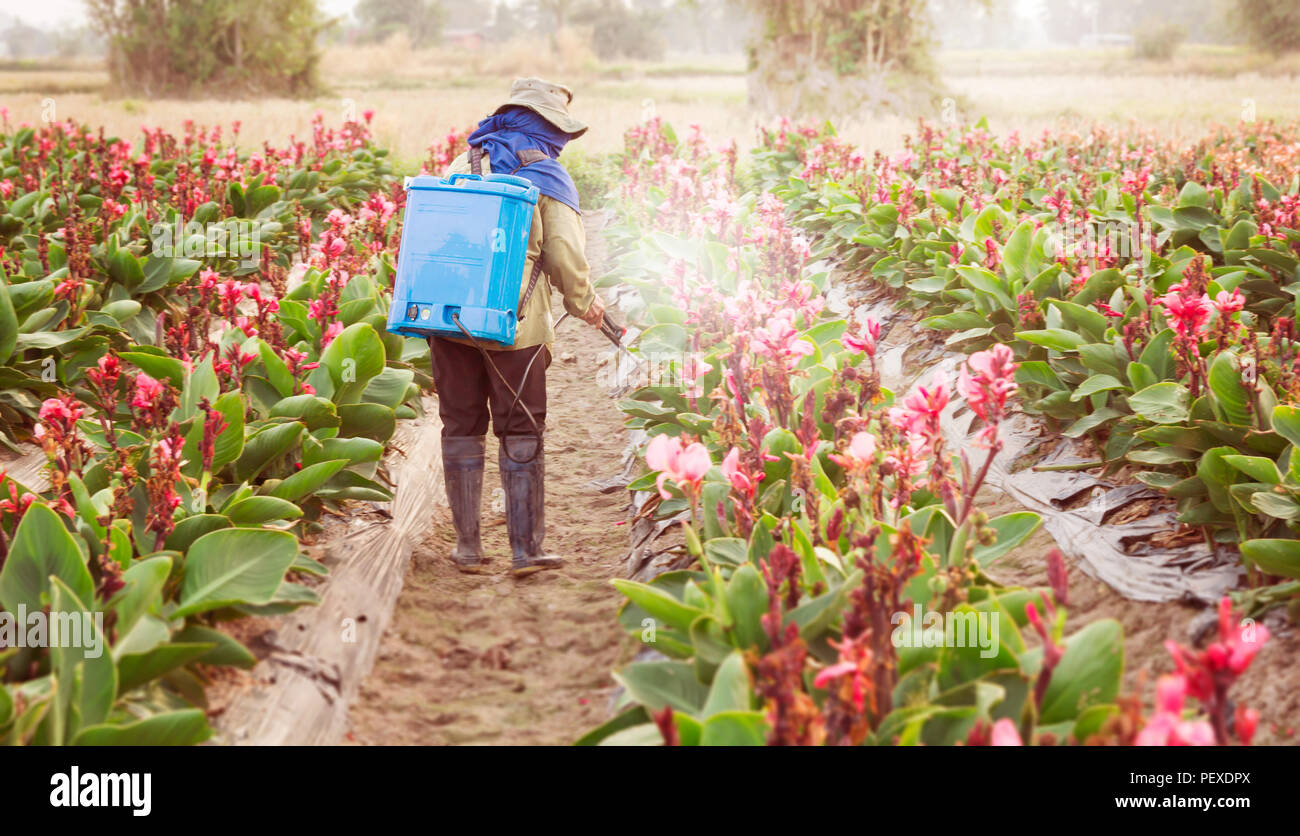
{"x":1258,"y":468}
{"x":8,"y":323}
{"x":235,"y":566}
{"x":1276,"y":557}
{"x":225,"y":649}
{"x":1057,"y":339}
{"x":41,"y":548}
{"x":1213,"y":470}
{"x":659,"y":604}
{"x":314,"y":412}
{"x":367,"y":420}
{"x":200,"y":384}
{"x":277,"y":371}
{"x":1013,"y":529}
{"x":735,"y":728}
{"x":351,"y":450}
{"x":136,"y":669}
{"x":659,"y":684}
{"x":1093,"y":385}
{"x":172,"y":728}
{"x":142,"y":593}
{"x":1163,"y":403}
{"x":260,"y":509}
{"x":747,"y":602}
{"x":1230,"y":395}
{"x":85,"y":678}
{"x":634,"y":716}
{"x":1091,"y":421}
{"x":352,"y":359}
{"x":192,"y":528}
{"x":1286,"y":423}
{"x":307,"y":480}
{"x":157,"y":366}
{"x":731,"y":690}
{"x":1088,"y":674}
{"x":265,"y":446}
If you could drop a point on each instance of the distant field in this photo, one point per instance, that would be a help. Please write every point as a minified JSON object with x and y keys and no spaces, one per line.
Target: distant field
{"x":418,"y":94}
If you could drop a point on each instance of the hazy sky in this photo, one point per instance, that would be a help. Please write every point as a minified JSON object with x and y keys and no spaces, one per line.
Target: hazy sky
{"x":48,"y":13}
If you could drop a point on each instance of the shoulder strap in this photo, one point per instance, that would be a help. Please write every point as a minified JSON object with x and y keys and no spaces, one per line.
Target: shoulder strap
{"x":532,"y":285}
{"x":476,"y":160}
{"x":528,"y":156}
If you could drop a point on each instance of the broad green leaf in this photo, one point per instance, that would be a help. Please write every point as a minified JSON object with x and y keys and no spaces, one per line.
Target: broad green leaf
{"x":1013,"y":529}
{"x":42,"y":547}
{"x":1088,"y":674}
{"x":731,"y":688}
{"x":1276,"y":557}
{"x":307,"y":480}
{"x":659,"y":604}
{"x":1163,"y":403}
{"x":173,"y":728}
{"x":657,"y":684}
{"x":735,"y":728}
{"x":235,"y":566}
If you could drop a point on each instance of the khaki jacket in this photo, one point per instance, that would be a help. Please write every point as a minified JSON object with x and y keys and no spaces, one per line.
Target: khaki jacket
{"x":558,"y":237}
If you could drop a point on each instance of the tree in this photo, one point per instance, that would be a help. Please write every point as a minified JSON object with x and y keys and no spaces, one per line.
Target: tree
{"x":224,"y":47}
{"x":1270,"y":25}
{"x":421,"y":20}
{"x":849,"y":37}
{"x":621,"y":32}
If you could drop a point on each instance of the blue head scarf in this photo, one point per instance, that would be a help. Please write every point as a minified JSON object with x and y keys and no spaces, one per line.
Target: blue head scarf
{"x":505,"y":134}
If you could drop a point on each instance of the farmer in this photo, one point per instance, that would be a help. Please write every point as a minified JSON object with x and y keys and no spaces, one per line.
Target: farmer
{"x":522,"y":137}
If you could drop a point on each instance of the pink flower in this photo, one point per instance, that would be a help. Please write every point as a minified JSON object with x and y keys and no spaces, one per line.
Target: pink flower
{"x":147,"y":391}
{"x":863,"y":446}
{"x":1167,"y":726}
{"x":1135,"y":182}
{"x":865,"y":343}
{"x":987,"y":381}
{"x":684,"y":465}
{"x":862,"y":450}
{"x":854,"y":662}
{"x":739,"y":478}
{"x":1006,"y":734}
{"x":779,"y":340}
{"x":921,"y":408}
{"x":1229,"y":303}
{"x":334,"y":329}
{"x":1186,"y":311}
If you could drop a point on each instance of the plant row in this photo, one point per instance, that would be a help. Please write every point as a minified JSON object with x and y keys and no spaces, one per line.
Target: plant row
{"x":839,"y":590}
{"x":193,"y":334}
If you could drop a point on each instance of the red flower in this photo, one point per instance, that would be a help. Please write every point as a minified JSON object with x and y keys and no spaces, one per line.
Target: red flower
{"x":1187,"y":312}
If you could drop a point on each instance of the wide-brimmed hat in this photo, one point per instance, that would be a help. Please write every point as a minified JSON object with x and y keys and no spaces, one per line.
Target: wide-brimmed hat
{"x":548,"y":99}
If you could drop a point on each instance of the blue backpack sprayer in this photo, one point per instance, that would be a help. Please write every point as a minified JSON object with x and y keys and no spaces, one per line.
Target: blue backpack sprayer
{"x":461,"y":264}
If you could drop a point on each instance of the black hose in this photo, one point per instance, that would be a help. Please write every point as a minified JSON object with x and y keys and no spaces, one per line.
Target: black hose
{"x":517,"y":397}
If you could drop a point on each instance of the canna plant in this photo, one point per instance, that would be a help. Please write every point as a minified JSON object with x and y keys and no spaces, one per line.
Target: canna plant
{"x":197,"y":415}
{"x":1146,"y":291}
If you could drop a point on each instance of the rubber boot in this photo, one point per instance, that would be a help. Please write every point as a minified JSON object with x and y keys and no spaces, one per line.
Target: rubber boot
{"x":525,"y":488}
{"x":462,"y":468}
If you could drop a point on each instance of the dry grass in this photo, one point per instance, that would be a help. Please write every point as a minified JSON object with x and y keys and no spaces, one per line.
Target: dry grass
{"x":418,"y":94}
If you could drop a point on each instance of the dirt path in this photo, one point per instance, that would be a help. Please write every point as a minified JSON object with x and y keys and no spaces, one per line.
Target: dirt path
{"x":488,"y":659}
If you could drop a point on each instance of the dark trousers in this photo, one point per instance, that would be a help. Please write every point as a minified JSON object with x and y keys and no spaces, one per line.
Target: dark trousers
{"x":469,"y":390}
